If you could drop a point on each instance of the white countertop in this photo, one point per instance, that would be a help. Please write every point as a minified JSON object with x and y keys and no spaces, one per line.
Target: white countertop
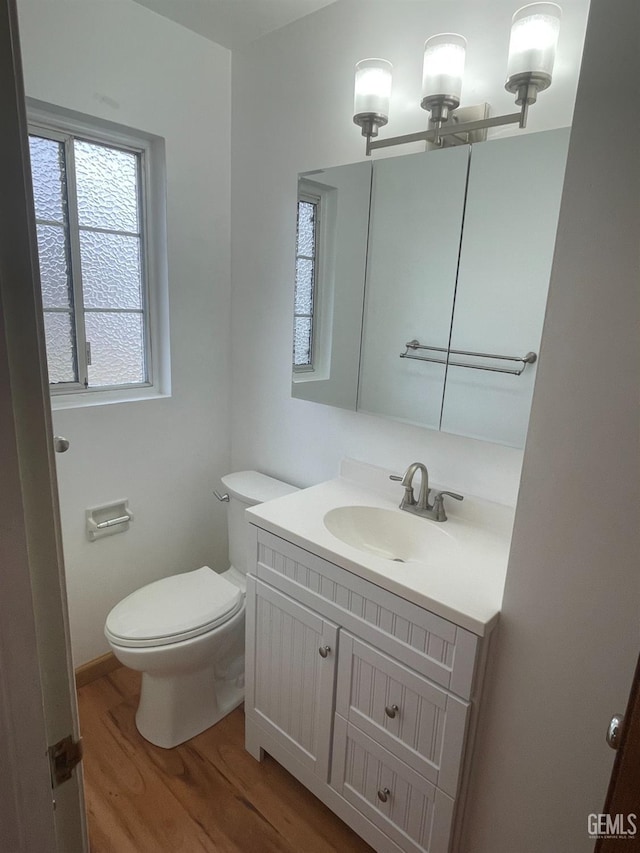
{"x":464,"y":584}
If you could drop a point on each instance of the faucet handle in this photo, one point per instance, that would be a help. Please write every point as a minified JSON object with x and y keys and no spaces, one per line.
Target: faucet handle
{"x":396,"y":478}
{"x":440,"y":495}
{"x":438,"y":504}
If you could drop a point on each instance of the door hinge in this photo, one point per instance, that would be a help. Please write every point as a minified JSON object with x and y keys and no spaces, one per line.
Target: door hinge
{"x":64,"y":756}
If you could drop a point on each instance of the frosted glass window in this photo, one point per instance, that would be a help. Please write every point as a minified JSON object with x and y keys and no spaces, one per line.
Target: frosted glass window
{"x":58,"y":330}
{"x":306,"y":228}
{"x":302,"y":341}
{"x":52,"y":229}
{"x":111,"y":273}
{"x":54,"y":267}
{"x":47,"y":168}
{"x":91,"y":246}
{"x":305,"y":286}
{"x":107,"y":187}
{"x":117,"y":348}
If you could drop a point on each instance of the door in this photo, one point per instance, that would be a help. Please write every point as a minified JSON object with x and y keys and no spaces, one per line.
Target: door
{"x":37,"y":696}
{"x":290,"y":687}
{"x":622,"y":805}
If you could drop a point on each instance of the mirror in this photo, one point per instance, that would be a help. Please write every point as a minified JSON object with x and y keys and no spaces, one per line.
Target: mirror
{"x":417,"y":206}
{"x":331,"y":257}
{"x":510,"y":222}
{"x":427,"y":298}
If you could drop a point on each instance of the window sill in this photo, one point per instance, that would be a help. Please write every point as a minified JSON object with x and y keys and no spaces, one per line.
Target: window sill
{"x":310,"y":376}
{"x":84,"y":399}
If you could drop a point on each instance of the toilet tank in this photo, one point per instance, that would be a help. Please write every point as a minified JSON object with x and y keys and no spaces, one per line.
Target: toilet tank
{"x":245,"y":489}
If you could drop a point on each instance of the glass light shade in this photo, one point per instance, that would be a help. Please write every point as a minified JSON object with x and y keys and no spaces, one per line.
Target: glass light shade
{"x":443,"y":68}
{"x":372,"y":87}
{"x":534,"y":38}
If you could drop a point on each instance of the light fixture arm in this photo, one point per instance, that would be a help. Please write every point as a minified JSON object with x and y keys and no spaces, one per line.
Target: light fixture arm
{"x":436,"y":134}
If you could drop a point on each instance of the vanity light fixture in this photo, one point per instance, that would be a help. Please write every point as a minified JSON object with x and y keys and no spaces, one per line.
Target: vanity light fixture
{"x":532,"y":48}
{"x":372,"y":95}
{"x":442,"y":73}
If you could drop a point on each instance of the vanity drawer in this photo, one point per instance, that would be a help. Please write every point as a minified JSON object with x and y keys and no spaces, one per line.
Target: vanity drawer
{"x":427,"y":643}
{"x":412,"y":717}
{"x":404,"y":805}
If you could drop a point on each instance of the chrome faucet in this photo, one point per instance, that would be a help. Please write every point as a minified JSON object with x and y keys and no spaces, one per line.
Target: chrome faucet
{"x":422,"y":507}
{"x":409,"y":502}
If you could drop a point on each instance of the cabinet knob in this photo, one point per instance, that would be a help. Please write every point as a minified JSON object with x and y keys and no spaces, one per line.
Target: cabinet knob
{"x":391,"y":711}
{"x":324,"y":651}
{"x":383,"y":795}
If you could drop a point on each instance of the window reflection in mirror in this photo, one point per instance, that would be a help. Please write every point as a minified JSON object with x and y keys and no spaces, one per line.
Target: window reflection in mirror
{"x":331,"y":250}
{"x":305,"y":296}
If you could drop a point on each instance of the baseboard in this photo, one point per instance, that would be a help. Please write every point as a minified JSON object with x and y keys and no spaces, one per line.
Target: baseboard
{"x":96,"y":668}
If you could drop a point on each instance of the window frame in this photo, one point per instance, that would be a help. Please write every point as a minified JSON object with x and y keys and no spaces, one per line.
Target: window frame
{"x":310,"y":195}
{"x":62,"y":128}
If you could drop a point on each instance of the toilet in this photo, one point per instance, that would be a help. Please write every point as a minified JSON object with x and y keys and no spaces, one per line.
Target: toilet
{"x":185,"y":633}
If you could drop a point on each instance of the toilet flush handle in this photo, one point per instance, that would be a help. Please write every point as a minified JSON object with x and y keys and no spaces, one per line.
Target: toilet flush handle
{"x":220,"y":497}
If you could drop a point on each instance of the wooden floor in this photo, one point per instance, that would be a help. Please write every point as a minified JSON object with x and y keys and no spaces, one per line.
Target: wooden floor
{"x":206,"y":795}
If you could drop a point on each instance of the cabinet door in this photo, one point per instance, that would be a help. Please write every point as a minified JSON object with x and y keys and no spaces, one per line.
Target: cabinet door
{"x":335,"y":294}
{"x":417,"y":205}
{"x":511,"y":217}
{"x":291,"y":683}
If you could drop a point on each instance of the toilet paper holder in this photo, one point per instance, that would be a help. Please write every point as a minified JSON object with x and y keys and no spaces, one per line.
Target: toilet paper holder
{"x":107,"y":519}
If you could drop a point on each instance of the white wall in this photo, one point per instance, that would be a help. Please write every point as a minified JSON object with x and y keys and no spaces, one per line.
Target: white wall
{"x":120,"y":62}
{"x":568,"y":638}
{"x":292,"y":107}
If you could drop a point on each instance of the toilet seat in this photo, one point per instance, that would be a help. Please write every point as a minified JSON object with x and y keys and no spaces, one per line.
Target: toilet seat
{"x":174,"y":609}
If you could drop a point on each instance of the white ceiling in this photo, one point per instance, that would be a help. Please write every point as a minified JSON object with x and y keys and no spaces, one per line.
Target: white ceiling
{"x":233,"y":23}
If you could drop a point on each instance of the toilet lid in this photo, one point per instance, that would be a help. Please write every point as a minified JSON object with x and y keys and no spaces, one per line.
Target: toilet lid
{"x":173,"y":609}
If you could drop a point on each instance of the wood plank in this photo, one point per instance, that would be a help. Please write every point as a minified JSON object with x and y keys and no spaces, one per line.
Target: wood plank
{"x":297,"y":814}
{"x":206,"y":795}
{"x":130,"y":808}
{"x":96,"y":668}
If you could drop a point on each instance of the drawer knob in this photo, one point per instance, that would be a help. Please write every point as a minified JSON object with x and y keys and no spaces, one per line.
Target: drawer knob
{"x":391,"y":711}
{"x":383,"y":795}
{"x":324,"y":651}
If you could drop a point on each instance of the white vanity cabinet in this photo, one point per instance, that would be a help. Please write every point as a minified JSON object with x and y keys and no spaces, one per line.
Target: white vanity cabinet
{"x":365,"y":697}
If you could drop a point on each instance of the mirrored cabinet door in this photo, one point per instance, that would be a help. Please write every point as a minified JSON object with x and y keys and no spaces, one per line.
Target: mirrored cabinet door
{"x":511,"y":217}
{"x":417,"y":206}
{"x":331,"y":251}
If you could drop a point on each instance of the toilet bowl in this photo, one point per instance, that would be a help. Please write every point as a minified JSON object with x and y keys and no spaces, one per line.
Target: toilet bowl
{"x":185,"y":633}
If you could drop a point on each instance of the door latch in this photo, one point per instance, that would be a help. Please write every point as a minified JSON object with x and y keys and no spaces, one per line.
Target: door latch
{"x":64,"y":757}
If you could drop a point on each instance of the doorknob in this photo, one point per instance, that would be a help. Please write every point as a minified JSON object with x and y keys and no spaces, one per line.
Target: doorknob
{"x":60,"y":444}
{"x":614,"y":730}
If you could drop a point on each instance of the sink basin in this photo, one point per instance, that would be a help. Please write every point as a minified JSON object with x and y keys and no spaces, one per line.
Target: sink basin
{"x":390,"y":534}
